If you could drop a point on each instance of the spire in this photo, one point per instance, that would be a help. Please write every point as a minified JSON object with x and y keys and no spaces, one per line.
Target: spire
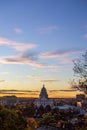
{"x":43,"y":86}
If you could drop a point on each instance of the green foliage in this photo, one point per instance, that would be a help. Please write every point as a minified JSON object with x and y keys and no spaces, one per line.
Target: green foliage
{"x":47,"y":119}
{"x":29,"y":111}
{"x":10,"y":120}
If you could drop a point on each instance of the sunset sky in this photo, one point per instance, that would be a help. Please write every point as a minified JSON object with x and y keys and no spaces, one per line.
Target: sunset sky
{"x":39,"y":39}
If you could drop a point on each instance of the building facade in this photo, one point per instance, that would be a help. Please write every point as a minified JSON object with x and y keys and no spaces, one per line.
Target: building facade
{"x":9,"y":100}
{"x":43,"y":99}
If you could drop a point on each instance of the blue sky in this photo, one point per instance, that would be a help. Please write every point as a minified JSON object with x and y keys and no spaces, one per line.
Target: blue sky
{"x":38,"y":42}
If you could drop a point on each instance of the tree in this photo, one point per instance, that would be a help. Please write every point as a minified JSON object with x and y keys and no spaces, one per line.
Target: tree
{"x":47,"y":109}
{"x":29,"y":110}
{"x":10,"y":120}
{"x":80,"y":71}
{"x":47,"y":119}
{"x":31,"y":123}
{"x":40,"y":110}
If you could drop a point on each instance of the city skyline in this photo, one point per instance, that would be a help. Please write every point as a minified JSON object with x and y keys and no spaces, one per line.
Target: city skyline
{"x":38,"y":42}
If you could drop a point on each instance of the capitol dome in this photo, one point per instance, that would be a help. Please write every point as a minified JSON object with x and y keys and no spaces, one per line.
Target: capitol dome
{"x":43,"y":99}
{"x":43,"y":93}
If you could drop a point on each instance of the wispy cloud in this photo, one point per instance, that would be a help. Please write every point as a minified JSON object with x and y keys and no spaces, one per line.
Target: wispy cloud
{"x":5,"y":73}
{"x":71,"y":90}
{"x":26,"y":58}
{"x":16,"y":91}
{"x":36,"y":60}
{"x":40,"y":78}
{"x":19,"y":92}
{"x":49,"y":80}
{"x":20,"y":58}
{"x":16,"y":45}
{"x":57,"y":53}
{"x":29,"y":91}
{"x":35,"y":93}
{"x":2,"y":81}
{"x":35,"y":77}
{"x":17,"y":30}
{"x":48,"y":29}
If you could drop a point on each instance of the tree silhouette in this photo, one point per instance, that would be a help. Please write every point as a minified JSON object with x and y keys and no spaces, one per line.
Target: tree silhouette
{"x":80,"y":71}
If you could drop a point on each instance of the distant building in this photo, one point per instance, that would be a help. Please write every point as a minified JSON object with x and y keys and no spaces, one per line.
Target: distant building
{"x":25,"y":101}
{"x":43,"y":99}
{"x":9,"y":100}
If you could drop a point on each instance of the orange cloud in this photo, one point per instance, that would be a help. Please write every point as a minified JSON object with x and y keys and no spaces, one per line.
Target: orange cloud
{"x":28,"y":93}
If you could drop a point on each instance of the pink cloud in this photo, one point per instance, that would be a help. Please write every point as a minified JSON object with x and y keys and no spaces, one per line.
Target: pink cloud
{"x":43,"y":65}
{"x":16,"y":45}
{"x":18,"y":30}
{"x":28,"y":59}
{"x":57,"y":54}
{"x":48,"y":55}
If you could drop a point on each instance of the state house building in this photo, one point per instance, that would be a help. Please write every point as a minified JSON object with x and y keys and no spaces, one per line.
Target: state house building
{"x":43,"y":99}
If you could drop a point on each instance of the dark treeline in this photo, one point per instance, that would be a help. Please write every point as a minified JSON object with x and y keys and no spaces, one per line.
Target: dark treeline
{"x":29,"y":117}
